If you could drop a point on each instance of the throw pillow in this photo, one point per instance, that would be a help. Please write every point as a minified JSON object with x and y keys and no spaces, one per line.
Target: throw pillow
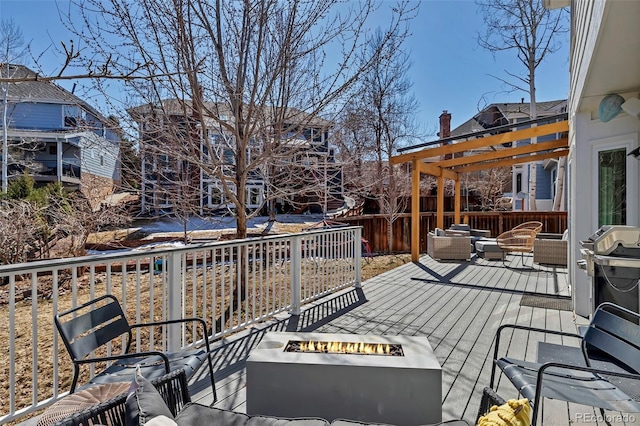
{"x":161,"y":421}
{"x":440,"y":232}
{"x":144,"y":403}
{"x":514,"y":413}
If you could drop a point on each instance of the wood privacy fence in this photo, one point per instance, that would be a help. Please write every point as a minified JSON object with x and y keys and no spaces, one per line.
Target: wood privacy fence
{"x":374,"y":227}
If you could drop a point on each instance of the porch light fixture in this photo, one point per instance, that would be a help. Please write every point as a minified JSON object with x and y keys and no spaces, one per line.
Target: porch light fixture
{"x":632,"y":107}
{"x":635,"y":153}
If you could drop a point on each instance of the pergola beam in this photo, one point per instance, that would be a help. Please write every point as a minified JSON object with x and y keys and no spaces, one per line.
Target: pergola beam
{"x":559,"y":127}
{"x":512,"y":161}
{"x":436,"y":170}
{"x":505,"y":153}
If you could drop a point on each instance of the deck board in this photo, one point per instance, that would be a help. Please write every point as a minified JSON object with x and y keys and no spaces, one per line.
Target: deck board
{"x":458,"y":306}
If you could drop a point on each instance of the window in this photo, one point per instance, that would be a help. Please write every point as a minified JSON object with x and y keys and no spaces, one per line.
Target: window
{"x":216,"y":197}
{"x":53,"y":149}
{"x":72,"y":115}
{"x":102,"y":160}
{"x":612,"y":194}
{"x":253,"y":196}
{"x":518,"y":182}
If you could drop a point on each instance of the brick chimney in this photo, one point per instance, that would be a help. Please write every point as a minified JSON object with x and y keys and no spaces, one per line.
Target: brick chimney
{"x":445,"y":130}
{"x":445,"y":125}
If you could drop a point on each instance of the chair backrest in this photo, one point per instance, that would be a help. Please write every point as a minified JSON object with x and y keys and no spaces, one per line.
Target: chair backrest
{"x":614,"y":335}
{"x":533,"y":225}
{"x":92,"y":325}
{"x":517,"y":240}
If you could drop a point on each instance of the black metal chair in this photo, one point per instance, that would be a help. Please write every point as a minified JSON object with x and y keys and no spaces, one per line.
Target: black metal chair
{"x":92,"y":325}
{"x":602,"y":373}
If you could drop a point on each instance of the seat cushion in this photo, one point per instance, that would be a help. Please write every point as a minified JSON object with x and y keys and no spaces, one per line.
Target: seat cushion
{"x":341,"y":422}
{"x":153,"y":366}
{"x":487,"y":246}
{"x":202,"y":415}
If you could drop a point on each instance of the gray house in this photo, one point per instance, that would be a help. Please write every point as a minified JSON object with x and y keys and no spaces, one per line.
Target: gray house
{"x":304,"y":158}
{"x":500,"y":114}
{"x":54,"y":136}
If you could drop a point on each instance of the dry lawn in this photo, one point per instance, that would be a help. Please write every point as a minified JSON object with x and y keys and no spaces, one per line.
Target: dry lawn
{"x":45,"y":350}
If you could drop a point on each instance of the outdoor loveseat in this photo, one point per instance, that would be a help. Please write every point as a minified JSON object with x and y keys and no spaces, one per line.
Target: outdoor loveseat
{"x":166,"y":402}
{"x":551,"y":249}
{"x":441,"y":246}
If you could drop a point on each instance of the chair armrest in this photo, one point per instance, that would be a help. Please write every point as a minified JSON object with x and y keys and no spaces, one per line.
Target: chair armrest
{"x":527,"y":328}
{"x":592,"y":370}
{"x":489,"y":399}
{"x":179,"y":321}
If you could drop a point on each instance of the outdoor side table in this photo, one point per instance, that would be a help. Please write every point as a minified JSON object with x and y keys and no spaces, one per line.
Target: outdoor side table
{"x":81,"y":400}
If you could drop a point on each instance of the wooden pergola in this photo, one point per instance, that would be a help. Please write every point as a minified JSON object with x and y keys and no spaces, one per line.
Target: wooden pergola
{"x":442,"y":163}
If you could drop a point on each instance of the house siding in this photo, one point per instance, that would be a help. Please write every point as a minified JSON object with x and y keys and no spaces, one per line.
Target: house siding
{"x":543,"y":182}
{"x":594,"y":136}
{"x":31,"y":116}
{"x":587,"y":18}
{"x":99,"y":158}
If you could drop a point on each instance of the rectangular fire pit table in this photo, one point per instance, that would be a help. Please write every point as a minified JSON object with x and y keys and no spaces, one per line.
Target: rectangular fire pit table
{"x":401,"y":389}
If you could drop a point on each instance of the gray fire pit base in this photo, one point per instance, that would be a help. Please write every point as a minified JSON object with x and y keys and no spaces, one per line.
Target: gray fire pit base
{"x":398,"y":390}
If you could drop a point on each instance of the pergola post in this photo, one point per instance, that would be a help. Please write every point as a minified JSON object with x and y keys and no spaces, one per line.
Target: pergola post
{"x":415,"y":211}
{"x":440,"y":204}
{"x":457,"y":202}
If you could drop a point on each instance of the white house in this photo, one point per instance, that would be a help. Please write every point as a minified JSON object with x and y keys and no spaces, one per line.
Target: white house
{"x":604,"y":181}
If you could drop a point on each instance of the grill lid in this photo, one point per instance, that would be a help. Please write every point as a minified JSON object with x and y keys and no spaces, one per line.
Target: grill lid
{"x":616,"y":240}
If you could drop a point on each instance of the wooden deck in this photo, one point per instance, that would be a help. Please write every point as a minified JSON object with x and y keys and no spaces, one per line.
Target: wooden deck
{"x":458,"y":306}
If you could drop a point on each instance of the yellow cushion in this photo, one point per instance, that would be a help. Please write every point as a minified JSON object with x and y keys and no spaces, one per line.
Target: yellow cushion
{"x":514,"y":413}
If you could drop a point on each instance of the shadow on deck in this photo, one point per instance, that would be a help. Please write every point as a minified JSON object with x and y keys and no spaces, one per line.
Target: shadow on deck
{"x":458,"y":306}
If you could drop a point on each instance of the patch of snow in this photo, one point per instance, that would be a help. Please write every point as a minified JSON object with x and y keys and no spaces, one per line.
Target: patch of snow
{"x":223,"y":223}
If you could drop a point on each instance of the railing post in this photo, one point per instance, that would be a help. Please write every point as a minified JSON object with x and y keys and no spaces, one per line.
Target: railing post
{"x":358,"y":256}
{"x":174,"y":294}
{"x":296,"y":275}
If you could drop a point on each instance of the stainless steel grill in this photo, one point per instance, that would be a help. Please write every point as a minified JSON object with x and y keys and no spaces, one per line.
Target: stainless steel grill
{"x":611,"y":257}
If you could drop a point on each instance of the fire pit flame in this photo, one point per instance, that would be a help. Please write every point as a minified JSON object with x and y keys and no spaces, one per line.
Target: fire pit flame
{"x":359,"y":348}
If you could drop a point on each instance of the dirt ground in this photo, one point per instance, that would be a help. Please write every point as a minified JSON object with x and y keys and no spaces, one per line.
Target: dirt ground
{"x":370,"y":268}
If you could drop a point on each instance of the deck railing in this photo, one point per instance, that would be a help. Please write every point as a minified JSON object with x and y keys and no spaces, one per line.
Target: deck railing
{"x":230,"y":284}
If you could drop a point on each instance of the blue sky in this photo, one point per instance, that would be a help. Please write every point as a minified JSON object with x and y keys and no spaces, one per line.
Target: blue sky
{"x":450,"y":72}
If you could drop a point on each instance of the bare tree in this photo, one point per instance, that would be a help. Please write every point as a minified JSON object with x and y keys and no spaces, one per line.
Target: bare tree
{"x":21,"y":230}
{"x":386,"y":107}
{"x":488,"y":185}
{"x":532,"y":31}
{"x":225,"y":60}
{"x":73,"y":219}
{"x":11,"y":50}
